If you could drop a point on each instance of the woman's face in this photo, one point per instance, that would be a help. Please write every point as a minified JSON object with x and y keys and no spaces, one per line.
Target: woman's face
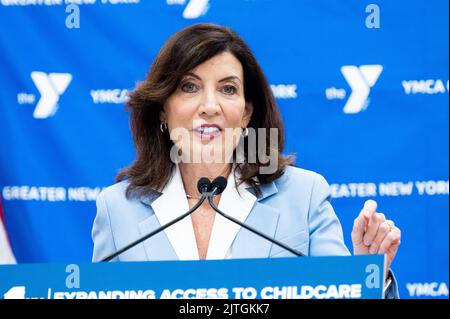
{"x":206,"y":113}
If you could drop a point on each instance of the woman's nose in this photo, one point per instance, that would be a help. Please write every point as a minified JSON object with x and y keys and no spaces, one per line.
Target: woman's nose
{"x":209,"y":103}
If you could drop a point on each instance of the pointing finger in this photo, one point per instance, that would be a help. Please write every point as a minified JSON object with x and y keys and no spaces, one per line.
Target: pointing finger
{"x":370,"y":207}
{"x":362,"y":221}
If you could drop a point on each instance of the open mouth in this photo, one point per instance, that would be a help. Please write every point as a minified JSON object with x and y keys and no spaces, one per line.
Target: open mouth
{"x":208,"y":131}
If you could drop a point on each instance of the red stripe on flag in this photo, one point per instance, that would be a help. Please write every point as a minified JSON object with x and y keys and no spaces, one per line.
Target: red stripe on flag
{"x":2,"y":219}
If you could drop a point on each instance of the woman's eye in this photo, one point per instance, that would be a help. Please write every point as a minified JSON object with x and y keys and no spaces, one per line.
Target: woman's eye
{"x":229,"y":89}
{"x":188,"y":87}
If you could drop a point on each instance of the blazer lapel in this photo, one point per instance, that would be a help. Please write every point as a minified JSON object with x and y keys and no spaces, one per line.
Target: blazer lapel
{"x":263,"y":218}
{"x":157,"y":247}
{"x":245,"y":207}
{"x":249,"y":245}
{"x":170,"y":205}
{"x":235,"y":204}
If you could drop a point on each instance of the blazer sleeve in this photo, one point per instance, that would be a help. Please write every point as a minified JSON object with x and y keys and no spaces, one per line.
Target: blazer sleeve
{"x":326,"y":236}
{"x":325,"y":230}
{"x":102,"y":235}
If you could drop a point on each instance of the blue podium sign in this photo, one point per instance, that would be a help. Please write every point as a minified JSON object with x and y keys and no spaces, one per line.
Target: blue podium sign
{"x":348,"y":277}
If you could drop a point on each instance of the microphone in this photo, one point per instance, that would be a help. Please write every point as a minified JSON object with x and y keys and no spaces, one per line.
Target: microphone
{"x":217,"y":186}
{"x":202,"y":186}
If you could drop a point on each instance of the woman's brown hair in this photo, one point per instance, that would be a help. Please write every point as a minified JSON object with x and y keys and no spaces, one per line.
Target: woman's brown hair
{"x":185,"y":50}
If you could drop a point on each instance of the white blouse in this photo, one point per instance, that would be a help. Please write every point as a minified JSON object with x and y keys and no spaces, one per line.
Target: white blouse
{"x":173,"y":203}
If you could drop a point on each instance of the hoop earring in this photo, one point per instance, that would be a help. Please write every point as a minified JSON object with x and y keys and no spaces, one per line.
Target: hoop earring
{"x":245,"y":132}
{"x":163,"y":127}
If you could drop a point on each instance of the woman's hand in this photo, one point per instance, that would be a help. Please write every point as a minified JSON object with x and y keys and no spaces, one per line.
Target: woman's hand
{"x":374,"y":234}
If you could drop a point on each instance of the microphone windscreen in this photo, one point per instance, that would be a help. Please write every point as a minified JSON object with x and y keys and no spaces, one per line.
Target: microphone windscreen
{"x":203,"y":184}
{"x":221,"y":183}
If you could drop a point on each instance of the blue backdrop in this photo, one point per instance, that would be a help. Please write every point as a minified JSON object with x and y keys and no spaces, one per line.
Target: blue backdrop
{"x":362,"y":87}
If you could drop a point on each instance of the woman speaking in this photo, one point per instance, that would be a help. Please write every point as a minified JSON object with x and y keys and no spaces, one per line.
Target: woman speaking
{"x":206,"y":110}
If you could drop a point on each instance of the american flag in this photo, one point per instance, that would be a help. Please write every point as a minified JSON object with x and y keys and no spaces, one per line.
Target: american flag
{"x":6,"y":254}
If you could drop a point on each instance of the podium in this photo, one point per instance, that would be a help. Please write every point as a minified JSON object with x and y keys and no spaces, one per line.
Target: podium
{"x":346,"y":277}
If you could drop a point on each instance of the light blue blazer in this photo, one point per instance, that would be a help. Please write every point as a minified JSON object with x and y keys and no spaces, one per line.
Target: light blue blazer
{"x":295,"y":209}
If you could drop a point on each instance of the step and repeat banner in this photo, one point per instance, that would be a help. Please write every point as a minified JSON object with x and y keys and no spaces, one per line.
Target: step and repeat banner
{"x":362,"y":87}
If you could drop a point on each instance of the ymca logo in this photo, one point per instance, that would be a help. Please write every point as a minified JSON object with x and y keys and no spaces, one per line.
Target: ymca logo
{"x":360,"y":79}
{"x":194,"y":8}
{"x":51,"y":86}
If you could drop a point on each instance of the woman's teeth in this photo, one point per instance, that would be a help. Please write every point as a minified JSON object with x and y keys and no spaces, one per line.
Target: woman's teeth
{"x":208,"y":130}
